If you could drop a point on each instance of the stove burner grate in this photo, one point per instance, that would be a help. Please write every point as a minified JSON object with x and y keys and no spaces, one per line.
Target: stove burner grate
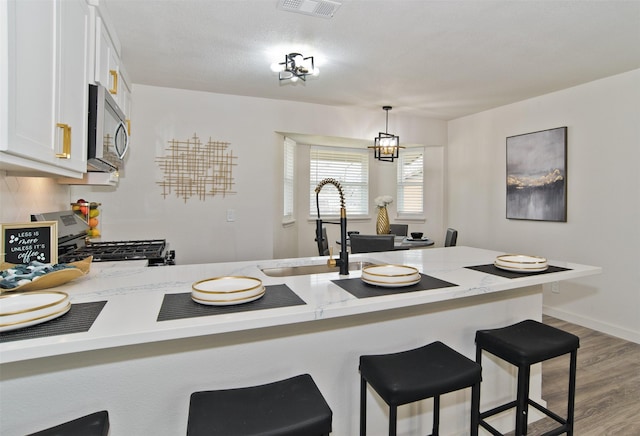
{"x":118,"y":250}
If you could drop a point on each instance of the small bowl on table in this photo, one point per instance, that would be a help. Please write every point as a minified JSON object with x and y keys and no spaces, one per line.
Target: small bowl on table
{"x":416,"y":235}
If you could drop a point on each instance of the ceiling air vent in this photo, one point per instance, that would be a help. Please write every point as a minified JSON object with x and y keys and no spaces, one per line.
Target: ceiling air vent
{"x":315,"y":8}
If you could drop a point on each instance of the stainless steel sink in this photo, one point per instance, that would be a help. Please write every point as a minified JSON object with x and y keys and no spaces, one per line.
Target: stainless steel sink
{"x":302,"y":270}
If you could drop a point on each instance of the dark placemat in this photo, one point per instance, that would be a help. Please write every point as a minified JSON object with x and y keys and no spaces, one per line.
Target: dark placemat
{"x":492,"y":269}
{"x":178,"y":306}
{"x":78,"y":319}
{"x":360,"y":289}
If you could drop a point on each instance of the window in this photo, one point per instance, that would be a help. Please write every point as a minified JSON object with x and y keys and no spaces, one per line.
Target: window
{"x":288,"y":177}
{"x":351,"y":168}
{"x":410,"y":181}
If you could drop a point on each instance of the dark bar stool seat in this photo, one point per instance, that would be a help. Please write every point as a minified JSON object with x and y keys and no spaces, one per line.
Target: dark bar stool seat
{"x":409,"y":376}
{"x":291,"y":407}
{"x":95,"y":424}
{"x":522,"y":345}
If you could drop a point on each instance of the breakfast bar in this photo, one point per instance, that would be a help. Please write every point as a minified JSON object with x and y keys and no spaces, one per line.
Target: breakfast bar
{"x":147,"y":346}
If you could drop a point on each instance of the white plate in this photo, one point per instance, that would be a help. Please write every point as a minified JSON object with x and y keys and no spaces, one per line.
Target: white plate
{"x":228,"y":296}
{"x":387,"y":271}
{"x":521,"y":260}
{"x":521,"y":270}
{"x":418,"y":240}
{"x":398,"y":284}
{"x":26,"y":309}
{"x":229,"y":302}
{"x":390,"y":275}
{"x":228,"y":284}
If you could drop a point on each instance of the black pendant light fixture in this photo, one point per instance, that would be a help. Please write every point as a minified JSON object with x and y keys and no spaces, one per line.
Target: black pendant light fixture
{"x":386,"y":145}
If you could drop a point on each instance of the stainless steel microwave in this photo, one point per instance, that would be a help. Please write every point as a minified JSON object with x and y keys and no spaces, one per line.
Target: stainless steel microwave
{"x":108,"y":140}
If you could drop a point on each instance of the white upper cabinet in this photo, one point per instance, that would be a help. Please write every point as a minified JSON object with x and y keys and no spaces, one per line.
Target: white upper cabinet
{"x":109,"y":71}
{"x":107,"y":66}
{"x":45,"y":59}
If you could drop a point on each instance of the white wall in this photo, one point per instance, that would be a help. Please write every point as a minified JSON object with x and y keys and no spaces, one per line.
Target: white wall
{"x":603,"y":225}
{"x":198,"y":230}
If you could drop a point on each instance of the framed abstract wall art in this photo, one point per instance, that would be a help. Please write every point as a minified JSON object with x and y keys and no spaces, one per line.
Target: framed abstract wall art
{"x":537,"y":176}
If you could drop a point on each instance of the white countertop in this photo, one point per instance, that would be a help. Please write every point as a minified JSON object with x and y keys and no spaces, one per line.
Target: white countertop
{"x":134,"y":294}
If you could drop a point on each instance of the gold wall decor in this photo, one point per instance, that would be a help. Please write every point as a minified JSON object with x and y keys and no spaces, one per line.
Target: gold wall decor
{"x":191,"y":168}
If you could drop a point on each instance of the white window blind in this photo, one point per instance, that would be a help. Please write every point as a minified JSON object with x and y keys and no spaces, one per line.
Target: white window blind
{"x":288,"y":177}
{"x":410,"y":181}
{"x":351,"y":168}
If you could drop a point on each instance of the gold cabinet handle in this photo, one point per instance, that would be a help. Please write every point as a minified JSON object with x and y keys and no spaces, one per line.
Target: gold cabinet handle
{"x":128,"y":127}
{"x":114,"y":81}
{"x":66,"y":141}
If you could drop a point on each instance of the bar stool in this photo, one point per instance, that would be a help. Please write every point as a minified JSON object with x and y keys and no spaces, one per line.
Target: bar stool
{"x":409,"y":376}
{"x":95,"y":424}
{"x":522,"y":345}
{"x":291,"y":407}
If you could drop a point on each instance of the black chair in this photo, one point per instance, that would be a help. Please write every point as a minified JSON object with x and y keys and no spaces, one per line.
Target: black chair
{"x":451,"y":238}
{"x":522,"y":345}
{"x":399,"y":229}
{"x":323,"y":246}
{"x":371,"y":243}
{"x":95,"y":424}
{"x":290,"y":407}
{"x":427,"y":372}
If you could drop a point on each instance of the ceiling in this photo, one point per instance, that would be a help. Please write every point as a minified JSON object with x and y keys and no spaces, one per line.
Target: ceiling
{"x":438,"y":59}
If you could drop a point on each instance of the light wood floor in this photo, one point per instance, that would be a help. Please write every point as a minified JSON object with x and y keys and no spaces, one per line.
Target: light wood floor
{"x":608,"y":385}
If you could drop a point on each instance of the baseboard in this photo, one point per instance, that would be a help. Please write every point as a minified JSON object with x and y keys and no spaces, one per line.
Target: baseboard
{"x":627,"y":335}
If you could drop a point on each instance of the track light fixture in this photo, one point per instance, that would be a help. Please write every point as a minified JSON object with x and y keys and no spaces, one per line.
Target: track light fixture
{"x":294,"y":67}
{"x":386,"y":145}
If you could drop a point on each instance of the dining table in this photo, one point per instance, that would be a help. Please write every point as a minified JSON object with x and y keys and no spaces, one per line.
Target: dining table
{"x":405,"y":243}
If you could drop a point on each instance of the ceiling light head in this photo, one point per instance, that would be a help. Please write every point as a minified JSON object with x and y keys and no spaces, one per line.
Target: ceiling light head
{"x":386,"y":146}
{"x":294,"y":67}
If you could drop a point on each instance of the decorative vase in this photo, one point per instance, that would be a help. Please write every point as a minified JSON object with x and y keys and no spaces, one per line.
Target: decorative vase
{"x":382,"y":225}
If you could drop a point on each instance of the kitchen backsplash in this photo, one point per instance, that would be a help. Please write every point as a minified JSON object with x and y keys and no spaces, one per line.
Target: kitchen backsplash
{"x":22,"y":196}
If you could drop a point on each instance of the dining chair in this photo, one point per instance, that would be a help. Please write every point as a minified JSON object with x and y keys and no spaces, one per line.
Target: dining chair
{"x":451,"y":238}
{"x":371,"y":243}
{"x":399,"y":229}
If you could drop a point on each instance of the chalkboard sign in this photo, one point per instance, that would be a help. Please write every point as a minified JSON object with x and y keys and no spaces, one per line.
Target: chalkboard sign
{"x":23,"y":243}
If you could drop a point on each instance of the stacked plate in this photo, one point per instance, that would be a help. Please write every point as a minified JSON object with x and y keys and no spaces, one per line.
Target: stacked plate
{"x":391,"y":276}
{"x":227,"y":291}
{"x":24,"y":309}
{"x":521,"y":263}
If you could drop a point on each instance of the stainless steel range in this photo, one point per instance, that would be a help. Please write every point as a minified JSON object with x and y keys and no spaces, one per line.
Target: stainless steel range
{"x":74,"y":245}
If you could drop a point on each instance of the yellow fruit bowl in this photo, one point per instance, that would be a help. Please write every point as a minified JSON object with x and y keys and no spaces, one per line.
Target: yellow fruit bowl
{"x":54,"y":278}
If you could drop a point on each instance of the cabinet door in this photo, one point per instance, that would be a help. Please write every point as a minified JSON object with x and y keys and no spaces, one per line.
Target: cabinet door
{"x":72,"y":101}
{"x":46,"y":65}
{"x":107,"y":60}
{"x":30,"y":70}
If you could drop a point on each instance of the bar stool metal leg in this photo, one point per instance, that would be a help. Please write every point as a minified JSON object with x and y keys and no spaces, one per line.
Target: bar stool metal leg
{"x":522,"y":402}
{"x":393,"y":420}
{"x":436,"y":416}
{"x":573,"y":366}
{"x":475,"y":409}
{"x":363,"y":406}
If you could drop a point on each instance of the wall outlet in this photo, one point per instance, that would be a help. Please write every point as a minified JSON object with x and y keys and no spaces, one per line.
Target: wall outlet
{"x":555,"y":287}
{"x":231,"y":215}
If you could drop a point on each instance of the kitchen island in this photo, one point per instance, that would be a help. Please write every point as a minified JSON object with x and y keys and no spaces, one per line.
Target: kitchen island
{"x":143,"y":370}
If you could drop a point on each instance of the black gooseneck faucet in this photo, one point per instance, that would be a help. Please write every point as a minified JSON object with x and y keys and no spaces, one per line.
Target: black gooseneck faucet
{"x":343,"y":262}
